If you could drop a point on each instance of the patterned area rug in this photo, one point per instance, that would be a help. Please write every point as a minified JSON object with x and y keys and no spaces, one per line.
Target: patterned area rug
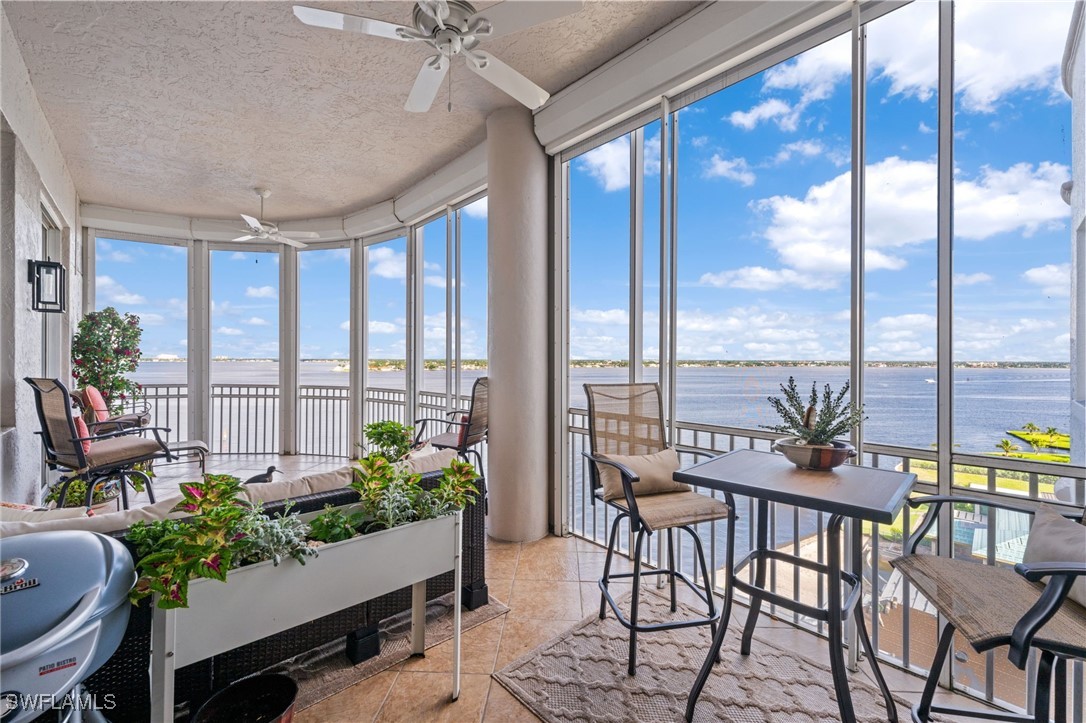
{"x":581,"y":675}
{"x":322,"y":672}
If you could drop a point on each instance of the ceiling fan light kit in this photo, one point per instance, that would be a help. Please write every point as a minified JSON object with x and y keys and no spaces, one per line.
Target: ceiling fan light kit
{"x":453,"y":28}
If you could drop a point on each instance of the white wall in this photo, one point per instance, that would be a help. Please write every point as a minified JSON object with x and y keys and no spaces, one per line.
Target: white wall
{"x":32,"y":174}
{"x":1075,"y":84}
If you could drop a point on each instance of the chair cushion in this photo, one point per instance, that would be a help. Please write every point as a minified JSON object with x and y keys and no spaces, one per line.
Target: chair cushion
{"x":655,"y":473}
{"x":675,"y":509}
{"x":445,"y":440}
{"x":1054,"y":538}
{"x":286,"y":489}
{"x":423,"y":463}
{"x":121,"y":449}
{"x":93,"y":399}
{"x":82,"y":431}
{"x":984,"y":602}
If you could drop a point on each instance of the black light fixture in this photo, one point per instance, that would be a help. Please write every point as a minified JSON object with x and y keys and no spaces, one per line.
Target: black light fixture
{"x":49,"y":287}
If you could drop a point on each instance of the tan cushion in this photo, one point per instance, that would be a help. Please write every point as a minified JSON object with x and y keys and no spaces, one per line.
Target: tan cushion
{"x":438,"y":459}
{"x":285,"y":489}
{"x":109,"y":522}
{"x":119,"y":449}
{"x":10,"y":514}
{"x":654,"y":470}
{"x":674,"y":509}
{"x":1054,"y":538}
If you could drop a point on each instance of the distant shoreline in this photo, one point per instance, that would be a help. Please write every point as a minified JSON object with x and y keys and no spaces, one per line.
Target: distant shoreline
{"x":399,"y":364}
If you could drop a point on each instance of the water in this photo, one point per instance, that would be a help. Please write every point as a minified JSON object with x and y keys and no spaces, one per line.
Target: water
{"x":900,"y":401}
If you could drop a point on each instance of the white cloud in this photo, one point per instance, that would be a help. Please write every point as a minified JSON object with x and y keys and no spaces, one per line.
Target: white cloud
{"x":229,"y":331}
{"x":773,"y":109}
{"x":1054,"y":279}
{"x":255,"y":321}
{"x":478,"y":209}
{"x":435,"y":280}
{"x":807,"y":149}
{"x":151,"y":319}
{"x":115,"y":293}
{"x":811,"y":235}
{"x":609,"y":164}
{"x":925,"y":128}
{"x":759,"y":278}
{"x":237,"y":256}
{"x":734,"y":169}
{"x":600,"y":316}
{"x":346,"y":326}
{"x":699,"y":141}
{"x":382,"y":327}
{"x":387,"y":263}
{"x":261,"y":292}
{"x":971,"y":279}
{"x":119,"y":256}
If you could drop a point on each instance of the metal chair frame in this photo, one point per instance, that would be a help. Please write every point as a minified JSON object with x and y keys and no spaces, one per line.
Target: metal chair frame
{"x":1052,"y":666}
{"x":122,"y":470}
{"x":715,"y":617}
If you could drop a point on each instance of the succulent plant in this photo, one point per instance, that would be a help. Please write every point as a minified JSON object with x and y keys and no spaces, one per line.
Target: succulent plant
{"x":812,"y":423}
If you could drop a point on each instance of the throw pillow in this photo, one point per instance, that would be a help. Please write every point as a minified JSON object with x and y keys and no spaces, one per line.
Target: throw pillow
{"x":440,"y":459}
{"x":81,"y":430}
{"x":95,"y":401}
{"x":1054,"y":538}
{"x":653,"y":470}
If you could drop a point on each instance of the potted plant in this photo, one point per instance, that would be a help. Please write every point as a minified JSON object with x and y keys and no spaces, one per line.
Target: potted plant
{"x":388,"y":439}
{"x":105,"y":348}
{"x":76,"y":496}
{"x":814,"y":426}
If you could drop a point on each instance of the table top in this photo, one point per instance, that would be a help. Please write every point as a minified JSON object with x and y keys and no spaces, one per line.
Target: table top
{"x":865,"y":493}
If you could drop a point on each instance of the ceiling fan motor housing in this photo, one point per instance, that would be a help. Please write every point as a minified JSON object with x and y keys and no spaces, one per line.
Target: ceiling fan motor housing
{"x":459,"y":13}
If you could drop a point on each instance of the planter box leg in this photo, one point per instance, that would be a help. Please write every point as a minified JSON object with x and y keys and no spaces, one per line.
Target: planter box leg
{"x":475,"y":595}
{"x":418,"y":618}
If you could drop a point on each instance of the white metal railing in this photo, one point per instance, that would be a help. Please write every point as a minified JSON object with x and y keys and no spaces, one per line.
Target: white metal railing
{"x":903,"y":627}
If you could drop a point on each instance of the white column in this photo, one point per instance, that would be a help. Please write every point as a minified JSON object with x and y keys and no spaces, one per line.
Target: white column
{"x":199,"y":344}
{"x":358,"y":346}
{"x":518,"y":465}
{"x":288,"y":350}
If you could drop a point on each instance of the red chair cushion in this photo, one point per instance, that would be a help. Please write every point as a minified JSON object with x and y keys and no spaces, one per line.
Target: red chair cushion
{"x":94,"y":400}
{"x":82,"y":431}
{"x":463,"y":435}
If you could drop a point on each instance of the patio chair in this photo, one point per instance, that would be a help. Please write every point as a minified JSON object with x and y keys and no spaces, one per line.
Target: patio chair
{"x":994,"y":606}
{"x":631,"y":468}
{"x":96,"y":414}
{"x":460,"y":434}
{"x":96,"y":458}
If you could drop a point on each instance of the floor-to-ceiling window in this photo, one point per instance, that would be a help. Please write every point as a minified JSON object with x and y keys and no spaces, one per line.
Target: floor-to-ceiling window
{"x":324,"y":318}
{"x":244,"y":351}
{"x":386,"y":330}
{"x":470,"y":298}
{"x":150,"y":279}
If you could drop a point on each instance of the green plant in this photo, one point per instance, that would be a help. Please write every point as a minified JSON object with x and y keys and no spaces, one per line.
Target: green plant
{"x":272,"y":538}
{"x":388,"y":439}
{"x":173,"y":552}
{"x":105,"y":348}
{"x":77,"y":493}
{"x":809,"y":422}
{"x":334,"y":525}
{"x":390,"y":496}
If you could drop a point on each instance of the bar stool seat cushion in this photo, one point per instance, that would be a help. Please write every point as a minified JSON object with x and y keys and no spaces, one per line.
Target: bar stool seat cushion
{"x":675,"y":509}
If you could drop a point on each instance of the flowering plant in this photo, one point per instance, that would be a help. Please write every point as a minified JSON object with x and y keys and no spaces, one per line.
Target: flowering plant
{"x":105,"y":348}
{"x":222,"y":533}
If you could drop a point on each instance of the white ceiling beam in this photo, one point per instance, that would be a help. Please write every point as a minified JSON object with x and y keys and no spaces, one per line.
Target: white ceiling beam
{"x":455,"y":181}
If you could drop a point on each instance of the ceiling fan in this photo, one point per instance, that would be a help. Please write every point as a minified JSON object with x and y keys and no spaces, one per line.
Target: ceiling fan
{"x":265,"y":231}
{"x":453,"y":28}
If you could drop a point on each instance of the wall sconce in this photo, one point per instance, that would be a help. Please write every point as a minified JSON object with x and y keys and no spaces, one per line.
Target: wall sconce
{"x":49,"y":287}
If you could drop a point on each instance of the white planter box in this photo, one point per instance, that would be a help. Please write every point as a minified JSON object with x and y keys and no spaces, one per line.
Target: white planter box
{"x":263,"y":599}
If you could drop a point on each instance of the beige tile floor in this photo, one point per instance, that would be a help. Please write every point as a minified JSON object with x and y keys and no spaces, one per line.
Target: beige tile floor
{"x":548,"y":585}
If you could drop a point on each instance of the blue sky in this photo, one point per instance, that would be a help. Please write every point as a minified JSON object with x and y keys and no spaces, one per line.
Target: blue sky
{"x":763,"y":219}
{"x":150,"y":280}
{"x":764,"y":193}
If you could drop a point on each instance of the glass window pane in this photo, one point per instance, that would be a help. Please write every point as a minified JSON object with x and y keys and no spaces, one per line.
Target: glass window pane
{"x":386,"y":320}
{"x":473,"y":294}
{"x":324,"y":335}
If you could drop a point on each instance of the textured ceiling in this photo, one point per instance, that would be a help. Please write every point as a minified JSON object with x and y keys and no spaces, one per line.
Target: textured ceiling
{"x":183,"y":107}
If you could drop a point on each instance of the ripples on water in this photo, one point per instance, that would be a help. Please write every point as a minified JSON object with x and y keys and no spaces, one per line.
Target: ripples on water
{"x":900,"y":401}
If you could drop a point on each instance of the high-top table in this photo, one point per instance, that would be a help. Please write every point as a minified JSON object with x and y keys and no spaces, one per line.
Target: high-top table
{"x":847,"y":492}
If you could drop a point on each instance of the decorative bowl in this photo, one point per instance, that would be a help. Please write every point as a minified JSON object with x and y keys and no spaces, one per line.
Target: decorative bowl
{"x":814,"y":456}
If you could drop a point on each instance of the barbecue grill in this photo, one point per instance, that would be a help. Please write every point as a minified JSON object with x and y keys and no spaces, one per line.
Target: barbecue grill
{"x":63,"y":611}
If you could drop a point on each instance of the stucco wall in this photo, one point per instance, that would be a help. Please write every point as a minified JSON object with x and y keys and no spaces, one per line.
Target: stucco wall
{"x":32,"y":175}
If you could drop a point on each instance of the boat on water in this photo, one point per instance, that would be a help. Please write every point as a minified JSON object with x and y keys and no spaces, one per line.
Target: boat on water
{"x":930,"y":381}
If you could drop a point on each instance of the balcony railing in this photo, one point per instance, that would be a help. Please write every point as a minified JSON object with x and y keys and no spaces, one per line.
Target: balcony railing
{"x":903,"y":626}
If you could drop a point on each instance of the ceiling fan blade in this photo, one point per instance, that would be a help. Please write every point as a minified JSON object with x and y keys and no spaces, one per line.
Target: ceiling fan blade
{"x":252,"y":223}
{"x":427,"y":83}
{"x":513,"y":15}
{"x":300,"y":234}
{"x":508,"y":80}
{"x":288,"y":241}
{"x":244,"y":238}
{"x":352,"y":23}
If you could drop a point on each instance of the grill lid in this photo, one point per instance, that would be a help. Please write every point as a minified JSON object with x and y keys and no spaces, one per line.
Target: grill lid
{"x":60,"y":568}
